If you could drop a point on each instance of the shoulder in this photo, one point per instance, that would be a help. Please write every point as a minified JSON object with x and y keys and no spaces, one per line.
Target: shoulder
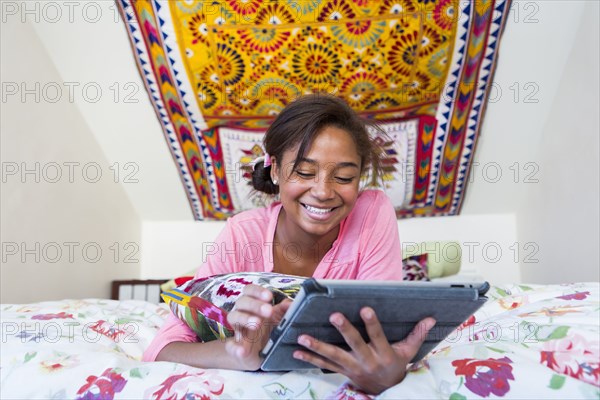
{"x":373,"y":194}
{"x":371,"y":208}
{"x":254,"y":219}
{"x":372,"y":200}
{"x":254,"y":214}
{"x":372,"y":218}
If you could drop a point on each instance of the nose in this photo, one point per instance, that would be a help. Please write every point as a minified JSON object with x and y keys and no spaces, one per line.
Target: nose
{"x":323,"y":188}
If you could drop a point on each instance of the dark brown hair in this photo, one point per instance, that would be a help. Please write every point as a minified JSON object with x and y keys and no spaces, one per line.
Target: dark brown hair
{"x":301,"y":121}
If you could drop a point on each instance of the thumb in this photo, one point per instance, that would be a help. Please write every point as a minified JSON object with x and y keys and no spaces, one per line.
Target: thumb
{"x":234,"y":348}
{"x":280,"y":309}
{"x":410,"y":346}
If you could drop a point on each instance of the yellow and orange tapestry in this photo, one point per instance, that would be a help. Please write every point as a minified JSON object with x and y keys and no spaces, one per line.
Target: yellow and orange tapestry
{"x":218,"y":72}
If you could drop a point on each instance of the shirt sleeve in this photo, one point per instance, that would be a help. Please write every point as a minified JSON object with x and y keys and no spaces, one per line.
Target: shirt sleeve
{"x":380,"y":251}
{"x":219,"y":258}
{"x":173,"y":330}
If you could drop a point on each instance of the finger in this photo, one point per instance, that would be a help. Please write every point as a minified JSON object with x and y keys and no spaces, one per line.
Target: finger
{"x":252,"y":338}
{"x":377,"y":337}
{"x":255,"y":340}
{"x":258,"y":292}
{"x":317,"y":361}
{"x":285,"y":304}
{"x":239,"y":320}
{"x":238,"y":346}
{"x":242,"y":320}
{"x":279,"y":310}
{"x":253,"y":306}
{"x":231,"y":347}
{"x":328,"y":352}
{"x":351,"y":335}
{"x":410,"y":346}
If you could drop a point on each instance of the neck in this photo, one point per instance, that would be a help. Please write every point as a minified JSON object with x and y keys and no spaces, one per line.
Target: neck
{"x":313,"y":247}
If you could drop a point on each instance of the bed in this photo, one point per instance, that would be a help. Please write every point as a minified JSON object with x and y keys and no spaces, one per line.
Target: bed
{"x":528,"y":341}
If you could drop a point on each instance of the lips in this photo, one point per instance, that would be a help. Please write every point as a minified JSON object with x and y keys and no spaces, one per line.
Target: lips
{"x":318,"y":212}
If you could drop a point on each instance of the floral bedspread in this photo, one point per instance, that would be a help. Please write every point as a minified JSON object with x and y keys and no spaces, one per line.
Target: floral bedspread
{"x":528,"y":341}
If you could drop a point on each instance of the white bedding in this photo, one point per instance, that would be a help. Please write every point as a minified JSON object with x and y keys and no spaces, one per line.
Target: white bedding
{"x":528,"y":341}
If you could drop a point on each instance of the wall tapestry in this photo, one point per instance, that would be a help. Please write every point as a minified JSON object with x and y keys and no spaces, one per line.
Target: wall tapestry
{"x":218,"y":72}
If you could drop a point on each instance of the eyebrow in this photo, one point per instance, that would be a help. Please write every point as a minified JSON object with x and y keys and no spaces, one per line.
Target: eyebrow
{"x":342,"y":164}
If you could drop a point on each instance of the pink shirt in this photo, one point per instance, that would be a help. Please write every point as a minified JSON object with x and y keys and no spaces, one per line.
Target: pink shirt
{"x":367,"y":248}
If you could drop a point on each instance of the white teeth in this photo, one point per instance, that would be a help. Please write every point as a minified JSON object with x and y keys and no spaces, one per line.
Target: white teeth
{"x":316,"y":210}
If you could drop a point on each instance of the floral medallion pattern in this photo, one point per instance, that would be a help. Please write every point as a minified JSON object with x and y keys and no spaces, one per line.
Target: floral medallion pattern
{"x":237,"y":64}
{"x":512,"y":348}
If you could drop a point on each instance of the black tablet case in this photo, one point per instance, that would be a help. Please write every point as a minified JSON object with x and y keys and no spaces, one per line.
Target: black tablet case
{"x":398,"y":305}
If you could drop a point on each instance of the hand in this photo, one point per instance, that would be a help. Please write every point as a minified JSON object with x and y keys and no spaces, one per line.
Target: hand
{"x":374,"y":366}
{"x":252,"y":319}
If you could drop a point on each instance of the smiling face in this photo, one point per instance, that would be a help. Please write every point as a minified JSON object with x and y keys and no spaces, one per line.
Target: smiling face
{"x":322,"y":190}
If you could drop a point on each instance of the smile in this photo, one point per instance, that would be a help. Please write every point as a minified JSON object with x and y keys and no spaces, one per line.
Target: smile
{"x":317,"y":210}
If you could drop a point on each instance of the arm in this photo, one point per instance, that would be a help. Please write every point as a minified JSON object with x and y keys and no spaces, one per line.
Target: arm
{"x":201,"y":355}
{"x":253,"y":318}
{"x":174,"y":331}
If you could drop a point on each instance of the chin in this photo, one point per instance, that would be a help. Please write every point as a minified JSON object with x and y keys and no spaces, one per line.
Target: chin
{"x":319,"y":229}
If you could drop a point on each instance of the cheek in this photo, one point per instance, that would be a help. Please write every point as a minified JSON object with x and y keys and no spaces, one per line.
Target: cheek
{"x":292,"y":189}
{"x":349,"y":194}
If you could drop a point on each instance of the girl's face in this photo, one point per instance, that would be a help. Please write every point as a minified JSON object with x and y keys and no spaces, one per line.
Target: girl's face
{"x":323,"y":188}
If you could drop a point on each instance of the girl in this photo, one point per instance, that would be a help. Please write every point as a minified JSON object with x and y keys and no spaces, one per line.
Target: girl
{"x":323,"y":226}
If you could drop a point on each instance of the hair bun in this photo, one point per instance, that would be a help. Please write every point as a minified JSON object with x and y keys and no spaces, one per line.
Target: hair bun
{"x":261,"y":179}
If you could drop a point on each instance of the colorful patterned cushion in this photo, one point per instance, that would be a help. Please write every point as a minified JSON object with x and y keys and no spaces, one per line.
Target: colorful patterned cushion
{"x":414,"y":268}
{"x":203,"y":304}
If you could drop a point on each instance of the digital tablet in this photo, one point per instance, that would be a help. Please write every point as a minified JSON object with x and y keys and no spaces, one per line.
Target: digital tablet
{"x":399,"y":307}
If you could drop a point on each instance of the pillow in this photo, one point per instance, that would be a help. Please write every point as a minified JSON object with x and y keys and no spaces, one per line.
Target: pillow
{"x":444,"y":256}
{"x":203,"y":304}
{"x":414,"y":268}
{"x":173,"y":283}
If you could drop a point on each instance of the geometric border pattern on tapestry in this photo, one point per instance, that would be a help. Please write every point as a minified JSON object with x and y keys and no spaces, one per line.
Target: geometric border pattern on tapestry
{"x":442,"y":150}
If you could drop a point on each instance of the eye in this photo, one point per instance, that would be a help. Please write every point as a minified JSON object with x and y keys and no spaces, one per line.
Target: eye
{"x":305,"y":175}
{"x":344,"y":180}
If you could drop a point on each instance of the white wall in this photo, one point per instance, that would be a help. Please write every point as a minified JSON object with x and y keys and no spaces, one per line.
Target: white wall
{"x":561,"y":212}
{"x":173,"y":248}
{"x":533,"y":55}
{"x":541,"y":134}
{"x":87,"y":47}
{"x":533,"y":51}
{"x":67,"y":228}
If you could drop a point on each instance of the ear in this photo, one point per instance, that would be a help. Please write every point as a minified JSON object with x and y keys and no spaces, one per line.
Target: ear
{"x":274,"y":169}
